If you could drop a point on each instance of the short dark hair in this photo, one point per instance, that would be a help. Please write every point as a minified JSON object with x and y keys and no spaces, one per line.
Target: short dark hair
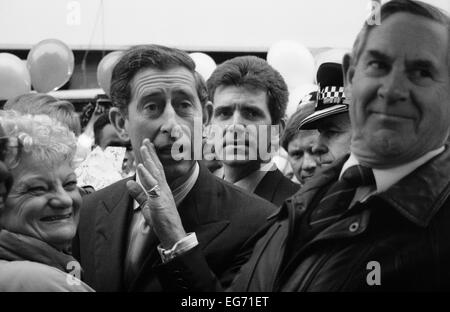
{"x":99,"y":124}
{"x":39,"y":103}
{"x":149,"y":56}
{"x":401,"y":6}
{"x":252,"y":72}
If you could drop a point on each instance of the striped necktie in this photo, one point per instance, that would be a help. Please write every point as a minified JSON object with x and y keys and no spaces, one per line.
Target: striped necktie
{"x":339,"y":196}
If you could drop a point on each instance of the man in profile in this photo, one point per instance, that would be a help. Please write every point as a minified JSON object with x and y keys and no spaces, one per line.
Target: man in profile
{"x":320,"y":131}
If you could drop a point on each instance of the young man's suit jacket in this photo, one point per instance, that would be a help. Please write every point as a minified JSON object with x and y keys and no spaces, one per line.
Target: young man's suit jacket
{"x":276,"y":188}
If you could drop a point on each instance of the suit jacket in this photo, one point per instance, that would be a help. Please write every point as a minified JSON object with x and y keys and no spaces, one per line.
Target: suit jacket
{"x":276,"y":188}
{"x":222,"y":216}
{"x":396,"y":240}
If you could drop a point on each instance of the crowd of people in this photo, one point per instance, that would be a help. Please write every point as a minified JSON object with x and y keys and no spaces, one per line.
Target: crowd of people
{"x":200,"y":204}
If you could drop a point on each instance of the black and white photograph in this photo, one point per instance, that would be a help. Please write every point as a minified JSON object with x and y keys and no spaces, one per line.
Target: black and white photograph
{"x":219,"y":153}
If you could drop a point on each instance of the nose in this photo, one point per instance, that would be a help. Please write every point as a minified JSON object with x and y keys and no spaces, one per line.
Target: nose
{"x":238,"y":119}
{"x":61,"y":199}
{"x":394,"y":86}
{"x":169,"y":121}
{"x":309,"y":163}
{"x":236,"y":124}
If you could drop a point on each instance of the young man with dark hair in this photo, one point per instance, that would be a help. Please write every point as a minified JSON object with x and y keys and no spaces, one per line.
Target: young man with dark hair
{"x":249,"y":101}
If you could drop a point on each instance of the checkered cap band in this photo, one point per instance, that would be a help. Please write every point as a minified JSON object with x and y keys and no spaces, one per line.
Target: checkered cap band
{"x":332,"y":95}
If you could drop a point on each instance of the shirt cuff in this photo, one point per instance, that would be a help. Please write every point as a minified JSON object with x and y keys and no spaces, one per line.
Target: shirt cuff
{"x":183,"y":245}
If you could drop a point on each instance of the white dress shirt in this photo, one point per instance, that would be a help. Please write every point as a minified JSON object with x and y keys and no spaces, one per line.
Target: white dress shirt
{"x":385,"y":178}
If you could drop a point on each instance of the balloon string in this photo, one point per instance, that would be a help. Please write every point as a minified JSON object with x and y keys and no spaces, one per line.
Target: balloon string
{"x":103,"y":28}
{"x":83,"y":62}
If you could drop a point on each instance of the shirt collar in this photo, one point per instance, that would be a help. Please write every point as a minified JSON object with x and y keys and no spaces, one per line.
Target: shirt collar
{"x":181,"y":191}
{"x":385,"y":178}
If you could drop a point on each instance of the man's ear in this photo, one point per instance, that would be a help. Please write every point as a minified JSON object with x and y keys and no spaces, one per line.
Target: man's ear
{"x":118,"y":120}
{"x":349,"y":72}
{"x":207,"y":112}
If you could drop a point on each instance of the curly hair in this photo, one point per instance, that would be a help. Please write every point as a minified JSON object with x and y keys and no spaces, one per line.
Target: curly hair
{"x":42,"y":138}
{"x":255,"y":73}
{"x":39,"y":103}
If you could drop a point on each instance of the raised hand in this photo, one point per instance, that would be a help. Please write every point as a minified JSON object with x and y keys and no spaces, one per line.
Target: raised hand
{"x":156,"y":199}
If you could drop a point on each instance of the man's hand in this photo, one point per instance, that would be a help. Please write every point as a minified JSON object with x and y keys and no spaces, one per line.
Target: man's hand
{"x":159,"y":210}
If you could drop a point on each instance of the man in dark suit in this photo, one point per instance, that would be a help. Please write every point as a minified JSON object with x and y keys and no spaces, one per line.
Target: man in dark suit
{"x":249,"y":99}
{"x":130,"y":228}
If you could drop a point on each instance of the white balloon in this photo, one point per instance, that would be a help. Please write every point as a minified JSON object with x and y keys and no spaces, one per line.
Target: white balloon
{"x":204,"y":64}
{"x":296,"y":95}
{"x":14,"y":76}
{"x":331,"y":55}
{"x":294,"y":62}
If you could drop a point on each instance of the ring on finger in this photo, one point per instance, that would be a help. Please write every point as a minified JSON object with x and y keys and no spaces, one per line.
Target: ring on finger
{"x":154,"y":192}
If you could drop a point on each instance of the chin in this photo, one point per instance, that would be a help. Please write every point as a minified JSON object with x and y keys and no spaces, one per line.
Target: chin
{"x":383,"y":152}
{"x":389,"y":145}
{"x":174,"y":170}
{"x":62,"y":240}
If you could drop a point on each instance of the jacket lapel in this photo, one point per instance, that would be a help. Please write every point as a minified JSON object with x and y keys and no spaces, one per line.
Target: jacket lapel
{"x":419,"y":195}
{"x":268,"y":185}
{"x":112,"y":220}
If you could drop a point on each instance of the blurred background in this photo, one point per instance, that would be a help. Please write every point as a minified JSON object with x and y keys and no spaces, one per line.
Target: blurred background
{"x":216,"y":30}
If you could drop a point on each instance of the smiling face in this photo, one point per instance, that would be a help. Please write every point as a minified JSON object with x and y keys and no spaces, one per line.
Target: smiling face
{"x":44,"y":202}
{"x":400,"y":91}
{"x":164,"y":107}
{"x":235,"y":108}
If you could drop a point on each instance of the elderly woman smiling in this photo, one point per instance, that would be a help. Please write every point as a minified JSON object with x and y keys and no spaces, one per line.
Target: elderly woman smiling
{"x":40,"y":215}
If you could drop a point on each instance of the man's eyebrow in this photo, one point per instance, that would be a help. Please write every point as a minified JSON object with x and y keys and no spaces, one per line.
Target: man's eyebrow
{"x":219,"y":109}
{"x":252,"y":108}
{"x":183,"y":92}
{"x":421,"y":63}
{"x":378,"y":55}
{"x":154,"y":94}
{"x":150,"y":93}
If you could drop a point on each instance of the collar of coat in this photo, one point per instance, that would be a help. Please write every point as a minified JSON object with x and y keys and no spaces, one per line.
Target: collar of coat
{"x":417,"y":197}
